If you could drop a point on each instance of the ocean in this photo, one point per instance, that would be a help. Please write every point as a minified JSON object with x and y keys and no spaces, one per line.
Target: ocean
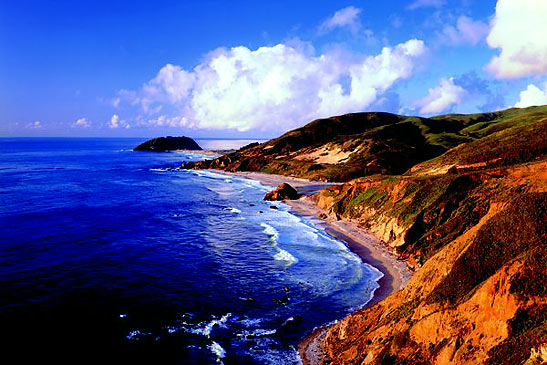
{"x":113,"y":256}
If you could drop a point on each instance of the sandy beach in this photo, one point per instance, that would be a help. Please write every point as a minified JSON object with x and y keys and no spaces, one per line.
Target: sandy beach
{"x":369,"y":248}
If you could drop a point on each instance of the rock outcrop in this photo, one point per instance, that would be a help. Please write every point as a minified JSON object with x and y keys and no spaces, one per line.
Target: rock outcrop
{"x":283,"y":192}
{"x":163,"y":144}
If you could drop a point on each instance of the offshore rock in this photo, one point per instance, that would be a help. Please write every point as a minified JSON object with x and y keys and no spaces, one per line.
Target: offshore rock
{"x":163,"y":144}
{"x":283,"y":191}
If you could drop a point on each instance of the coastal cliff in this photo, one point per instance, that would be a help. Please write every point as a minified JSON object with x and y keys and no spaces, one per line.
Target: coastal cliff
{"x":479,"y":295}
{"x":463,"y":199}
{"x":474,"y":221}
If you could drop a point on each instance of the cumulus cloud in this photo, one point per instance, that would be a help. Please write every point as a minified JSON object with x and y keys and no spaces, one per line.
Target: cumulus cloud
{"x":82,"y":123}
{"x":442,"y":98}
{"x":425,"y":4}
{"x":272,"y":88}
{"x":465,"y":31}
{"x":518,"y":30}
{"x":116,"y":122}
{"x":164,"y":120}
{"x":532,"y":96}
{"x":343,"y":18}
{"x":172,"y":84}
{"x":35,"y":125}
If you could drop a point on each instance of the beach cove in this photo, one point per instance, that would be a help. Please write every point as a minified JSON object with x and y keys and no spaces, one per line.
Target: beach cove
{"x":396,"y":273}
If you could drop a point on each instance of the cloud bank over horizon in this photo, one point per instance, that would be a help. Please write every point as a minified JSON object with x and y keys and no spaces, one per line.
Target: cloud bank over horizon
{"x":271,"y":88}
{"x":275,"y":88}
{"x":261,"y":75}
{"x":532,"y":96}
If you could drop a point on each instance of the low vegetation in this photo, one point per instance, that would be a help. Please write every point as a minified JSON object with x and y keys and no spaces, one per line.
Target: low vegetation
{"x":363,"y":144}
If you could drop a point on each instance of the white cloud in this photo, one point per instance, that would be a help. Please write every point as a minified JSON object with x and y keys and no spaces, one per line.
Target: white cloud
{"x":164,"y":120}
{"x":346,"y":17}
{"x":441,"y":98}
{"x":272,"y":88}
{"x":115,"y":122}
{"x":115,"y":101}
{"x":466,"y":31}
{"x":171,"y":85}
{"x":532,"y":96}
{"x":519,"y":29}
{"x":35,"y":125}
{"x":425,"y":3}
{"x":82,"y":122}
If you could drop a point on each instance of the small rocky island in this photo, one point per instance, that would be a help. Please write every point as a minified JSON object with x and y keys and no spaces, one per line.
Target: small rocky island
{"x":163,"y":144}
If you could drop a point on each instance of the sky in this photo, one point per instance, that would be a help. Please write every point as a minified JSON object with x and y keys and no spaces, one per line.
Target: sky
{"x":256,"y":69}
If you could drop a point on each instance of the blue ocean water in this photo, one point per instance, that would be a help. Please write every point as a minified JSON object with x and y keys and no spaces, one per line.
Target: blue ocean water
{"x":108,"y":255}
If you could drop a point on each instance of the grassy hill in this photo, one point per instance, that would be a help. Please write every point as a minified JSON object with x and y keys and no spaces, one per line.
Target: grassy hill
{"x":354,"y":145}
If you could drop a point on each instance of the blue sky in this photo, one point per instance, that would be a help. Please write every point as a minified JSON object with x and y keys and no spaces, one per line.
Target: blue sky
{"x":256,"y":68}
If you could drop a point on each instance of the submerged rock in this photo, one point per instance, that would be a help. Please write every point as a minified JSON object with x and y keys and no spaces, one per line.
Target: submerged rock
{"x":291,"y":325}
{"x":283,"y":191}
{"x":163,"y":144}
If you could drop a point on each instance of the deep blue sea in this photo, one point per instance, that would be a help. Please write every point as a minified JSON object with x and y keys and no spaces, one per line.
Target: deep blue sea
{"x":109,"y":256}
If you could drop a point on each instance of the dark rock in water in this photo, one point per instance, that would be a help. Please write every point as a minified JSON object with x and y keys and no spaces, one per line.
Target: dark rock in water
{"x":163,"y":144}
{"x":283,"y":300}
{"x":289,"y":326}
{"x":283,"y":191}
{"x":273,"y":207}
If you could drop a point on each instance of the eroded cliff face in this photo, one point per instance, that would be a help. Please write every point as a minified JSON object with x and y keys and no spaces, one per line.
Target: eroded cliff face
{"x":480,"y":296}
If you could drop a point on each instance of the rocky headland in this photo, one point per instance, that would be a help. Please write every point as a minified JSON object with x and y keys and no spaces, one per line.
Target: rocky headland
{"x":164,"y":144}
{"x":460,"y":198}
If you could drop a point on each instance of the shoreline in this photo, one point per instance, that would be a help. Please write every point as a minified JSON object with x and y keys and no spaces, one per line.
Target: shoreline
{"x":371,"y":250}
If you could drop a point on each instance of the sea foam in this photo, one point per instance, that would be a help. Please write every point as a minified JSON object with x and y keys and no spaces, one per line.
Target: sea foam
{"x":217,"y":350}
{"x":283,"y":255}
{"x":270,"y":232}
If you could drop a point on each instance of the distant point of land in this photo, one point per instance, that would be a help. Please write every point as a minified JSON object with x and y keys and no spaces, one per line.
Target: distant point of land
{"x":163,"y":144}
